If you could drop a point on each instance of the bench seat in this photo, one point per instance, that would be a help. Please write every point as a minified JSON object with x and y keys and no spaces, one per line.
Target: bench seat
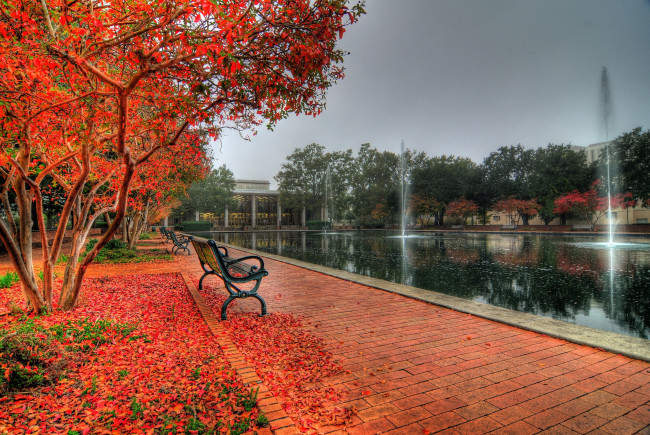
{"x":215,"y":260}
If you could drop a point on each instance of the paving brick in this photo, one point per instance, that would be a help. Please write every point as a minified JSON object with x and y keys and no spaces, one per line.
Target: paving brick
{"x":379,"y":411}
{"x":546,"y":419}
{"x":575,"y":407}
{"x":411,"y":429}
{"x":585,"y":423}
{"x":518,"y":428}
{"x":476,"y":410}
{"x":376,"y":426}
{"x":511,"y":414}
{"x":610,"y":411}
{"x":412,"y":401}
{"x":479,"y":426}
{"x":442,"y":421}
{"x":624,"y":426}
{"x":409,"y":416}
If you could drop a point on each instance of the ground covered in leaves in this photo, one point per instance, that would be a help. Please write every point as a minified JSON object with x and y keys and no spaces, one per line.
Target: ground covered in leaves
{"x":135,"y":357}
{"x":292,"y":362}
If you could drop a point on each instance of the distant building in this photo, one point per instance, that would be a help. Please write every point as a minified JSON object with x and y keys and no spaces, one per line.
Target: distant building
{"x":258,"y":207}
{"x":593,"y":151}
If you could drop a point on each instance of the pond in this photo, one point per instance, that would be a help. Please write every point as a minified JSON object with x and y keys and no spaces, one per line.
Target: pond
{"x":577,"y":279}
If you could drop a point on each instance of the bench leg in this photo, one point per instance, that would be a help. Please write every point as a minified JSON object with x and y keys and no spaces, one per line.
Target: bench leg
{"x":224,"y":307}
{"x":201,"y":280}
{"x":259,"y":298}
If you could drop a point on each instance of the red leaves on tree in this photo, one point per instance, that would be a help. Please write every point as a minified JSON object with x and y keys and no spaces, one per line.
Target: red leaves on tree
{"x":514,"y":208}
{"x":463,"y":208}
{"x":96,"y":91}
{"x":589,"y":206}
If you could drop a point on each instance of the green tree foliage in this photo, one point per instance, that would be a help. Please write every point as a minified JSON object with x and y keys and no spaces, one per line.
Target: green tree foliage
{"x":445,"y":178}
{"x":630,"y":164}
{"x":303,"y":177}
{"x":525,"y":174}
{"x":211,"y":195}
{"x":507,"y":172}
{"x":555,"y":171}
{"x":377,"y":180}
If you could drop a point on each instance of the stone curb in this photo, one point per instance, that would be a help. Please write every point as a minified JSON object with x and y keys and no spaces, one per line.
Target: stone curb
{"x":280,"y":423}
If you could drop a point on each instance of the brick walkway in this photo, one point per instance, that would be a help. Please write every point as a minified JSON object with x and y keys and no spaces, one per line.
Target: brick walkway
{"x":417,"y":368}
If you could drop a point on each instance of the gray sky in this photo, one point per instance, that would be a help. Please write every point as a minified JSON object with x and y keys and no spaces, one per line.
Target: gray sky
{"x":465,"y":77}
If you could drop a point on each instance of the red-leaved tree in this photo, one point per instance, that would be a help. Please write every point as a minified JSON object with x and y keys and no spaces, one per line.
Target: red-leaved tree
{"x":589,"y":206}
{"x":424,"y":207}
{"x":518,"y":208}
{"x":91,"y":91}
{"x":462,"y":208}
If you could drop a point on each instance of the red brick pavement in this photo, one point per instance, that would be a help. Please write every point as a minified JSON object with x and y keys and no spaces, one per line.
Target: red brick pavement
{"x":417,"y":368}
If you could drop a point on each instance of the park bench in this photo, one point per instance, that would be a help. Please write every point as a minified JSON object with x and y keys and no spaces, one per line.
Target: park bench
{"x":166,"y":234}
{"x":457,"y":227}
{"x":508,"y":227}
{"x":180,"y":242}
{"x":233,"y":272}
{"x":582,"y":227}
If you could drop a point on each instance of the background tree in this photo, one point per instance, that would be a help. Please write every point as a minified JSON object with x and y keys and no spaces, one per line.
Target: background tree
{"x":589,"y":206}
{"x":376,"y":177}
{"x":630,"y":164}
{"x":302,"y":180}
{"x":507,"y":172}
{"x":213,"y":194}
{"x":555,"y":171}
{"x":423,"y":208}
{"x":462,"y":208}
{"x":444,"y":178}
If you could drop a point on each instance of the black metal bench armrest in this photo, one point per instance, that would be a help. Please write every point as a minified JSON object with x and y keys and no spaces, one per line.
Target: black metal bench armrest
{"x":249,"y":257}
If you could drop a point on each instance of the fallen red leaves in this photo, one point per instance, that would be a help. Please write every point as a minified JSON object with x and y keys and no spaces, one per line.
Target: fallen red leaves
{"x":164,"y":376}
{"x":290,"y":361}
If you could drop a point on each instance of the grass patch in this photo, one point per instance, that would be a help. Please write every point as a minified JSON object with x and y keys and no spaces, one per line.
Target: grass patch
{"x":8,"y":279}
{"x":117,"y":252}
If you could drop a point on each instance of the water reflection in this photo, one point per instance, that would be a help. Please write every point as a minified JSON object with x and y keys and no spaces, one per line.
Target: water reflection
{"x":554,"y":276}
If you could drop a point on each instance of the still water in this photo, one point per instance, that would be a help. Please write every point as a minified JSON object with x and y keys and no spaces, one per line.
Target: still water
{"x":570,"y":278}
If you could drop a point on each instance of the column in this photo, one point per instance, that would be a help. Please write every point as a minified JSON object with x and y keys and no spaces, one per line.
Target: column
{"x":303,"y":218}
{"x":279,"y":219}
{"x":225,"y":217}
{"x":197,"y":216}
{"x":253,"y":211}
{"x":166,"y":223}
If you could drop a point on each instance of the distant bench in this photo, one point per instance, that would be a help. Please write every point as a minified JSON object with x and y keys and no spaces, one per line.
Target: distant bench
{"x":508,"y":227}
{"x":180,"y":242}
{"x":215,"y":260}
{"x":457,"y":227}
{"x":582,"y":228}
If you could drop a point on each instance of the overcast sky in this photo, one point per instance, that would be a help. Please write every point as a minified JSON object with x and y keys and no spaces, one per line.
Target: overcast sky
{"x":465,"y":77}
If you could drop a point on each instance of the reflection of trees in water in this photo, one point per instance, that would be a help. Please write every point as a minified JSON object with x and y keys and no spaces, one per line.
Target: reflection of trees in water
{"x":631,"y":299}
{"x":539,"y":275}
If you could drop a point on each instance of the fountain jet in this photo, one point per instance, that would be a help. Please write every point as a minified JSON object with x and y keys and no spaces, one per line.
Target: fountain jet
{"x":606,"y":104}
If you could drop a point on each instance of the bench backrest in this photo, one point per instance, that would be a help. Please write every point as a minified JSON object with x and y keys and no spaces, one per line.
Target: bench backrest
{"x":212,"y":256}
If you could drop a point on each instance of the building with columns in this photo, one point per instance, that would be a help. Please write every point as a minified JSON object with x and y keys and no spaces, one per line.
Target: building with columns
{"x":257,"y":207}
